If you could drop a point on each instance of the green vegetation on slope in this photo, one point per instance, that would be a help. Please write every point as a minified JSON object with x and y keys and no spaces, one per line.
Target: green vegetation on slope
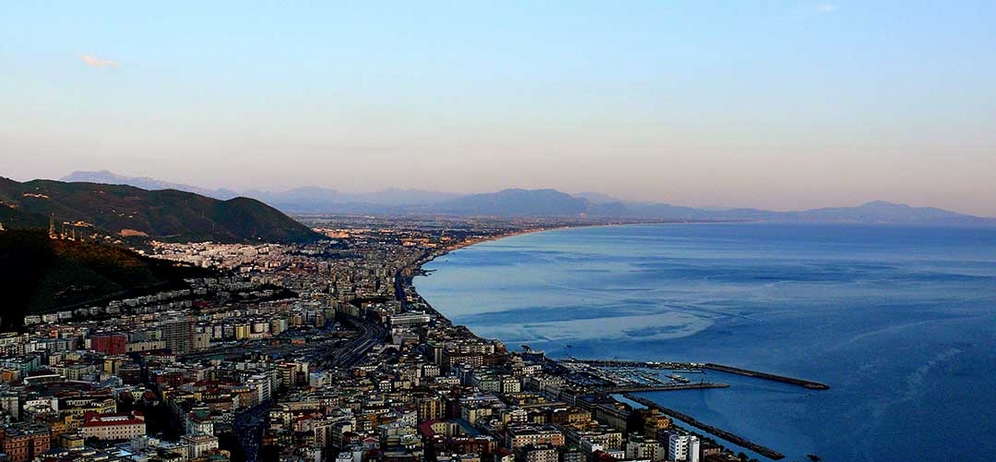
{"x":166,"y":214}
{"x":16,"y":219}
{"x":38,"y":274}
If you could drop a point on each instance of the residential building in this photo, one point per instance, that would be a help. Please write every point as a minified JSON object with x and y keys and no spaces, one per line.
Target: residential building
{"x":113,"y":426}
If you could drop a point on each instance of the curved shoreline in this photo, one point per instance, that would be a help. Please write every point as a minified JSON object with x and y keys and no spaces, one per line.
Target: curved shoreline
{"x":418,"y":267}
{"x":839,"y":291}
{"x":735,"y":440}
{"x":522,"y":232}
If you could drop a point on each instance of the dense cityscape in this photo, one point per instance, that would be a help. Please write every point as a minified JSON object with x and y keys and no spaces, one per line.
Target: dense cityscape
{"x":540,"y":231}
{"x":323,"y":352}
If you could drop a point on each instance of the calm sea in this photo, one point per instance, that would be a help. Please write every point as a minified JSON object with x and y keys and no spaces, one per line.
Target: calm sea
{"x":899,"y":321}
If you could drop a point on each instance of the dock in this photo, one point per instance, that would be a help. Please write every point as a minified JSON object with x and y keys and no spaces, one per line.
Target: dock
{"x":735,"y":439}
{"x":664,"y":387}
{"x":809,"y":384}
{"x":685,"y":366}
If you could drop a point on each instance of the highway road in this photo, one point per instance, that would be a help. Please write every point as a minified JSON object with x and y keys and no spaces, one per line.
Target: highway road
{"x":249,"y":426}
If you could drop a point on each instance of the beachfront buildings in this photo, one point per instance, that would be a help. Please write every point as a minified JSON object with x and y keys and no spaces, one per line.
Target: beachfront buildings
{"x":683,"y":448}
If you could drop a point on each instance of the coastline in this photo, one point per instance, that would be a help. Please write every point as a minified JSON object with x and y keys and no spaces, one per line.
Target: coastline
{"x":520,"y":232}
{"x":525,"y":231}
{"x":432,"y":255}
{"x":710,"y":432}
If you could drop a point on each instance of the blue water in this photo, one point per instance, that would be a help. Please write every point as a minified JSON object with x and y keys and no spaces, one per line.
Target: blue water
{"x":899,"y":321}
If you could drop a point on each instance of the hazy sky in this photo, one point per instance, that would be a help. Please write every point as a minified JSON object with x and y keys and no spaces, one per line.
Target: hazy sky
{"x":771,"y":104}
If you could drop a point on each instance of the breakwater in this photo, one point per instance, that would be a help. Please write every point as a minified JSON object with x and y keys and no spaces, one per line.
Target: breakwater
{"x":764,"y":375}
{"x":735,"y":439}
{"x":667,"y":387}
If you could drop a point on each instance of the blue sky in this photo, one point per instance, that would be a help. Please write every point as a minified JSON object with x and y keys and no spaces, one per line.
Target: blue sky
{"x":769,"y":104}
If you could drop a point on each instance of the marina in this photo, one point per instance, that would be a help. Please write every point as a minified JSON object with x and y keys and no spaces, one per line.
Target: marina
{"x":766,"y":376}
{"x":735,"y":439}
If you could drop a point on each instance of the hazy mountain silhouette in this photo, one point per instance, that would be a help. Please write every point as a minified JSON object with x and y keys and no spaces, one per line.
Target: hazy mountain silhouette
{"x":887,"y":212}
{"x":512,"y":202}
{"x":303,"y":199}
{"x":318,"y":199}
{"x":596,"y":197}
{"x":150,"y":184}
{"x":553,"y":203}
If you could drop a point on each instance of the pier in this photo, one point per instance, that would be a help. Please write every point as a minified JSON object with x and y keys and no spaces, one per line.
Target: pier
{"x":735,"y":439}
{"x":665,"y":387}
{"x":686,"y":367}
{"x":809,"y":384}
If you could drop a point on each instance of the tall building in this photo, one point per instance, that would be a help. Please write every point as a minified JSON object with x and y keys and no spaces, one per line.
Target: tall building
{"x":639,"y":447}
{"x":22,"y":442}
{"x":683,"y":448}
{"x":202,"y":341}
{"x":179,"y":335}
{"x":429,"y":407}
{"x":112,"y":344}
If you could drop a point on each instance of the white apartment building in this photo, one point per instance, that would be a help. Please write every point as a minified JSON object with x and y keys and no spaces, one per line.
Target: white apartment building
{"x":683,"y":448}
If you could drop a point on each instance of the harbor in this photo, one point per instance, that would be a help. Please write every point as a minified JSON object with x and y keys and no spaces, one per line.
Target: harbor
{"x":608,"y":368}
{"x":735,"y":439}
{"x":809,"y":384}
{"x":667,"y":387}
{"x":624,"y":378}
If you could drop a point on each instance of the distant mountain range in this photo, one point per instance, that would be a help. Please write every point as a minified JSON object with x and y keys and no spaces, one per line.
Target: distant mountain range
{"x":130,"y":211}
{"x":304,"y":199}
{"x":517,"y":202}
{"x":546,"y":203}
{"x":144,"y":182}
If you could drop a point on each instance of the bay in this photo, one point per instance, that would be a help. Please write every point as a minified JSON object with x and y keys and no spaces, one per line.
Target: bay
{"x":899,"y":321}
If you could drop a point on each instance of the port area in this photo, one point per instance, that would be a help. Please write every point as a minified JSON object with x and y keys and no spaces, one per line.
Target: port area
{"x":664,"y":387}
{"x":616,"y":376}
{"x":809,"y":384}
{"x":638,"y":372}
{"x":621,"y":379}
{"x":735,"y":439}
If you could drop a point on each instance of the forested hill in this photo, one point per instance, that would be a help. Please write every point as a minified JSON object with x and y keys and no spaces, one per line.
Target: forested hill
{"x":38,"y":274}
{"x":165,"y":214}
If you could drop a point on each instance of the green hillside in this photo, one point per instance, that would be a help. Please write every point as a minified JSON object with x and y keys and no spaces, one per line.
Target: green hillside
{"x":16,"y":219}
{"x":38,"y":274}
{"x":165,"y":215}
